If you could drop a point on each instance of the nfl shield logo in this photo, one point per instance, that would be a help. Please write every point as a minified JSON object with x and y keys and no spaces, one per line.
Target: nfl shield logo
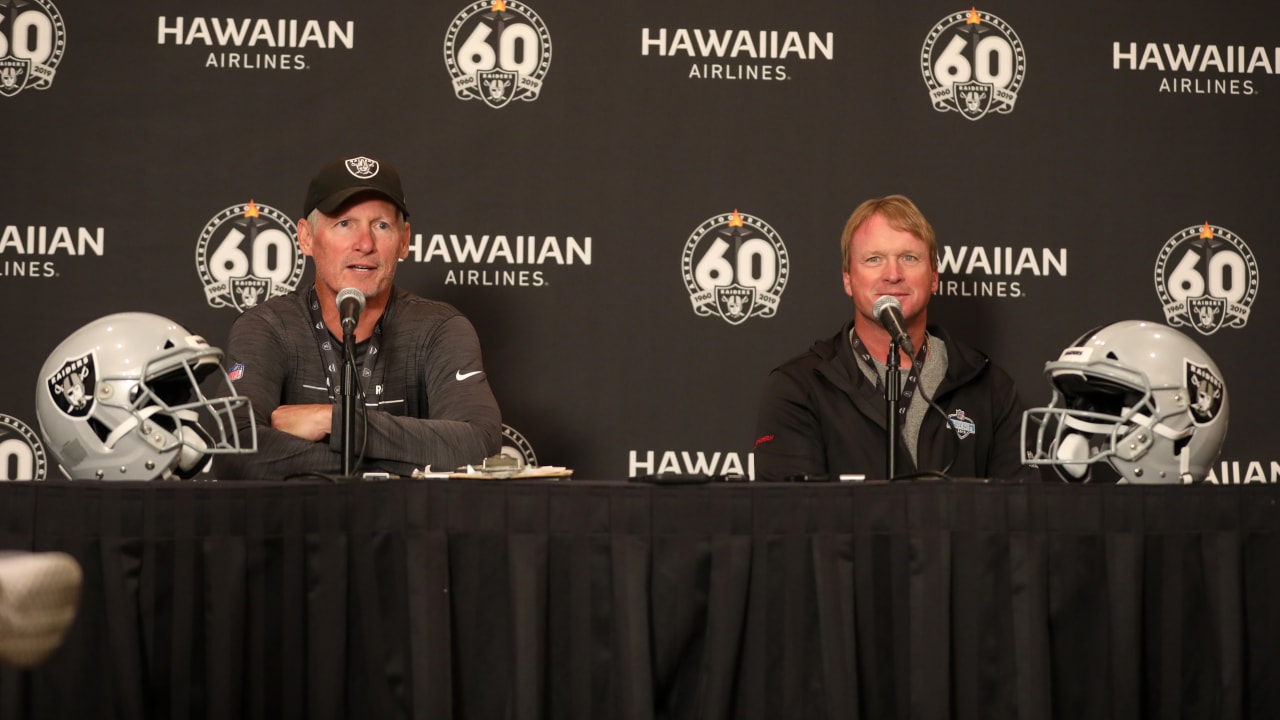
{"x":735,"y":302}
{"x":973,"y":99}
{"x":496,"y":86}
{"x":963,"y":425}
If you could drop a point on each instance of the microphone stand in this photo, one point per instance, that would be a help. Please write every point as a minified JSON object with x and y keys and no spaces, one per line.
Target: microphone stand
{"x":892,"y":388}
{"x":348,"y":394}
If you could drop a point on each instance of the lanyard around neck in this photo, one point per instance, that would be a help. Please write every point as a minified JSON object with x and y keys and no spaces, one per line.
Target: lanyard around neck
{"x":332,"y":359}
{"x":913,"y":375}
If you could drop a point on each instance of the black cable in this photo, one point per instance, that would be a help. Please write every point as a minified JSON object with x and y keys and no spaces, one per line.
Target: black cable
{"x":947,"y":428}
{"x":313,"y":475}
{"x":954,"y":441}
{"x":363,"y":410}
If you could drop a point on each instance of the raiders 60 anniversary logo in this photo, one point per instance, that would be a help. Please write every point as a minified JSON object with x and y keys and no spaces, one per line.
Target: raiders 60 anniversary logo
{"x":735,"y":266}
{"x":22,"y":457}
{"x":246,"y":255}
{"x":973,"y":63}
{"x":497,"y":52}
{"x":1207,"y":278}
{"x":32,"y":43}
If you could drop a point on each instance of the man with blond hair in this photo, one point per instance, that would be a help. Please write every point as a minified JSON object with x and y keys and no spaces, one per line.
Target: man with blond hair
{"x":823,"y":413}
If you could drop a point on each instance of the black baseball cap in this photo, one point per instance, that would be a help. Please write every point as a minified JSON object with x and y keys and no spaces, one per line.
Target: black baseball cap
{"x":340,"y":180}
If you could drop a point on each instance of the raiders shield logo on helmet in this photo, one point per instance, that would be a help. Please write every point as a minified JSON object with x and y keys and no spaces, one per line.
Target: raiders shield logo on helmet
{"x":72,"y":386}
{"x":1205,"y":389}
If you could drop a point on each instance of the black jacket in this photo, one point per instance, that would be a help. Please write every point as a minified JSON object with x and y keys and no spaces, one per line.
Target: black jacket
{"x":820,"y":415}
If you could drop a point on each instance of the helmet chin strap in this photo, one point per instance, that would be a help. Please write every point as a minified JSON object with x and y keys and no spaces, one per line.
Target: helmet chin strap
{"x":1137,"y":420}
{"x":1162,"y":429}
{"x":1184,"y":455}
{"x":193,"y":440}
{"x":128,"y":425}
{"x":192,"y":458}
{"x":1073,"y":448}
{"x":1082,"y":425}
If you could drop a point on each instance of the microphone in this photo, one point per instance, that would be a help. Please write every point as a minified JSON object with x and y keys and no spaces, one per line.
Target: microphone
{"x":889,"y":312}
{"x":351,"y":304}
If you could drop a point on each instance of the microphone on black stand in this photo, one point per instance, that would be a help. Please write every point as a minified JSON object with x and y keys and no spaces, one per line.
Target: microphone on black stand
{"x":888,"y":310}
{"x":892,"y":378}
{"x":350,"y":305}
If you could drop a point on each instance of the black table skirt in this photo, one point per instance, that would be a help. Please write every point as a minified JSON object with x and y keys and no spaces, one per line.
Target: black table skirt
{"x":484,"y":599}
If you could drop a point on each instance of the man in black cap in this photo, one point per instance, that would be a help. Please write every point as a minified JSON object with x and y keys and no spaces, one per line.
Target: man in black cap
{"x":426,"y":401}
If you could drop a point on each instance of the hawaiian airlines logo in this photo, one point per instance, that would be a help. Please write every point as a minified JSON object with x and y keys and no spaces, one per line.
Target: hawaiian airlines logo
{"x":974,"y":64}
{"x":997,"y":271}
{"x":514,"y":445}
{"x":1206,"y":277}
{"x":497,"y":52}
{"x":1243,"y":472}
{"x":246,"y":254}
{"x":22,"y":457}
{"x":735,"y":267}
{"x":1200,"y":69}
{"x":737,"y":54}
{"x":32,"y":250}
{"x":32,"y":43}
{"x":256,"y":43}
{"x":498,"y":260}
{"x":697,"y":462}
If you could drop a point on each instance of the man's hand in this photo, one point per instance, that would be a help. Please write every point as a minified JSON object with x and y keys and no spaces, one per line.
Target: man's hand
{"x":309,"y":422}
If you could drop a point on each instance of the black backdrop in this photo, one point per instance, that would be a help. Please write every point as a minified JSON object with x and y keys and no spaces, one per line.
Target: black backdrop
{"x":156,"y":121}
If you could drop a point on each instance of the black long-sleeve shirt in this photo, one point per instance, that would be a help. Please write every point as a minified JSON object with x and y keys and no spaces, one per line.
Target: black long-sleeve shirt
{"x":436,"y":407}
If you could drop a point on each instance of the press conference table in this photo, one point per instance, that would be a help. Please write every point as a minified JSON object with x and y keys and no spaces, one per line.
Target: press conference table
{"x":504,"y":599}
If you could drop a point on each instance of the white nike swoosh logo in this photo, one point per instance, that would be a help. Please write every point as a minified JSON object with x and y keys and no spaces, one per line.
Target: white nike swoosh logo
{"x":463,"y":376}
